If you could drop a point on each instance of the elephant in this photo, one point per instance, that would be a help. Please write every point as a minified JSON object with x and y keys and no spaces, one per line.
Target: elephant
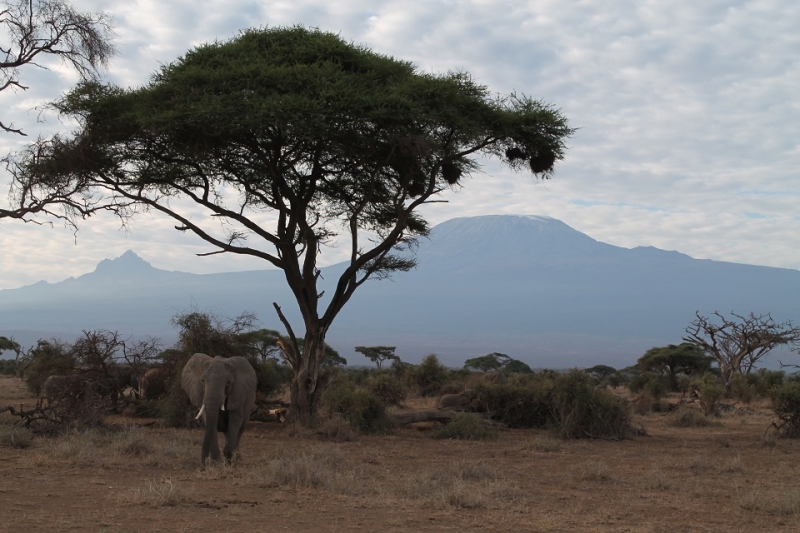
{"x":455,"y":401}
{"x":225,"y":391}
{"x":154,"y":383}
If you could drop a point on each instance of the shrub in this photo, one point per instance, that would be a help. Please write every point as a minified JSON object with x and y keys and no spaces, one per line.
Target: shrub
{"x":47,"y":358}
{"x":742,"y":389}
{"x":429,"y":376}
{"x":516,"y":406}
{"x":175,"y":409}
{"x":388,"y":388}
{"x":688,"y":418}
{"x":8,"y":367}
{"x":466,"y":426}
{"x":765,"y":381}
{"x":583,"y":411}
{"x":271,"y":376}
{"x":656,"y":385}
{"x":362,"y":409}
{"x":13,"y":436}
{"x":786,"y":405}
{"x":709,"y":390}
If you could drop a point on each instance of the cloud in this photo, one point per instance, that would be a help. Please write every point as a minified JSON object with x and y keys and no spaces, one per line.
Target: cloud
{"x":689,"y":122}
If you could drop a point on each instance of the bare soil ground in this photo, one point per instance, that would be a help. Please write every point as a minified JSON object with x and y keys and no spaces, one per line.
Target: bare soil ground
{"x":124,"y":478}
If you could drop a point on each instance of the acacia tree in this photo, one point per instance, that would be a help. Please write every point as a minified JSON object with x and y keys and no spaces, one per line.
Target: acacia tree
{"x":289,"y":139}
{"x":686,"y":358}
{"x":378,"y":354}
{"x":738,"y":343}
{"x":31,"y":29}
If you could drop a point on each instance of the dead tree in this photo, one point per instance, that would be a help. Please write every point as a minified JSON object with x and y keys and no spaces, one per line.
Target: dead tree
{"x":738,"y":343}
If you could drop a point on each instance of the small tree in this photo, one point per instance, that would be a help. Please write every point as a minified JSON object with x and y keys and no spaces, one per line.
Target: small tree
{"x":285,"y":139}
{"x":487,"y":363}
{"x":738,"y":343}
{"x":378,"y":354}
{"x":601,"y":371}
{"x":687,"y":358}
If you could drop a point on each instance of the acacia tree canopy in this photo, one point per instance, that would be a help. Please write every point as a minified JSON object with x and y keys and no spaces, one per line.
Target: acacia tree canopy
{"x":685,"y":358}
{"x":378,"y":354}
{"x":290,"y":138}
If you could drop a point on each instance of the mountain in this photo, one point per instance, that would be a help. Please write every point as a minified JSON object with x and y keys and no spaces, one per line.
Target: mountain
{"x":530,"y":287}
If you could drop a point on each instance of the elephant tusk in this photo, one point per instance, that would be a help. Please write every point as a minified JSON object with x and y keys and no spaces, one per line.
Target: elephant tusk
{"x":223,"y":405}
{"x":202,"y":409}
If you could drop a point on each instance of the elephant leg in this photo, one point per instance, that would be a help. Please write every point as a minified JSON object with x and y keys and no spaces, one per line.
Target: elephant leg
{"x":236,"y":423}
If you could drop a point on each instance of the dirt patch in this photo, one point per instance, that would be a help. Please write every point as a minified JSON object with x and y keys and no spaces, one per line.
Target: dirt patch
{"x":722,"y":477}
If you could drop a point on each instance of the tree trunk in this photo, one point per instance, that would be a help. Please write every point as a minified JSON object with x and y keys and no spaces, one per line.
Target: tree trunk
{"x":307,"y":386}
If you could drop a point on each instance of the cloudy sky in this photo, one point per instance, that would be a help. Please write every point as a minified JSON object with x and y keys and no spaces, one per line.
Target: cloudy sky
{"x":688,"y":112}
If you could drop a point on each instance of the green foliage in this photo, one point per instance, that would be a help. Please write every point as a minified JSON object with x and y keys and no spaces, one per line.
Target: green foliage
{"x":583,"y":411}
{"x":515,"y":405}
{"x":655,"y":385}
{"x":687,"y":359}
{"x":378,"y":354}
{"x":487,"y":363}
{"x":567,"y":403}
{"x":689,"y":418}
{"x":786,"y":405}
{"x":517,"y":367}
{"x":7,"y":344}
{"x":742,"y":388}
{"x":429,"y":376}
{"x":497,"y":362}
{"x":213,"y":335}
{"x":175,"y":409}
{"x":388,"y":388}
{"x":601,"y":371}
{"x":302,"y":134}
{"x":271,"y":376}
{"x":8,"y":367}
{"x":465,"y":426}
{"x":709,"y":389}
{"x":765,"y":381}
{"x":47,"y":358}
{"x":362,"y":409}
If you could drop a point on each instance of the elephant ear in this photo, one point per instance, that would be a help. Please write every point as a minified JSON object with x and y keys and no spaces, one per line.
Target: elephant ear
{"x":244,"y":384}
{"x":190,"y":377}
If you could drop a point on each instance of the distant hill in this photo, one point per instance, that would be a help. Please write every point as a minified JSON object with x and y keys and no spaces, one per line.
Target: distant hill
{"x":530,"y":287}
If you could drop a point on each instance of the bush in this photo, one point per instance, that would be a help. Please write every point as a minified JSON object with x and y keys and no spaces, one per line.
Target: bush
{"x":175,"y":409}
{"x":46,"y":359}
{"x":689,"y":418}
{"x":765,"y":381}
{"x":271,"y":376}
{"x":388,"y":388}
{"x":429,"y":376}
{"x":583,"y":411}
{"x":516,"y":406}
{"x":742,"y":389}
{"x":786,"y":405}
{"x":466,"y":426}
{"x":362,"y":409}
{"x":709,"y":390}
{"x":656,"y":385}
{"x":8,"y":367}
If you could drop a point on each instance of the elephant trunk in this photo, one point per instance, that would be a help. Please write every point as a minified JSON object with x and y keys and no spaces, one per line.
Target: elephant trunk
{"x":212,"y":411}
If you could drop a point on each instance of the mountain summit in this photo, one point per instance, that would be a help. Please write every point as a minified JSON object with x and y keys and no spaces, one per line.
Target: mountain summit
{"x":531,"y":287}
{"x":128,"y":264}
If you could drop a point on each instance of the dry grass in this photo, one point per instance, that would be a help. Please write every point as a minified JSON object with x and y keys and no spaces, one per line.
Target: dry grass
{"x":156,"y":493}
{"x":723,"y":477}
{"x":772,"y":501}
